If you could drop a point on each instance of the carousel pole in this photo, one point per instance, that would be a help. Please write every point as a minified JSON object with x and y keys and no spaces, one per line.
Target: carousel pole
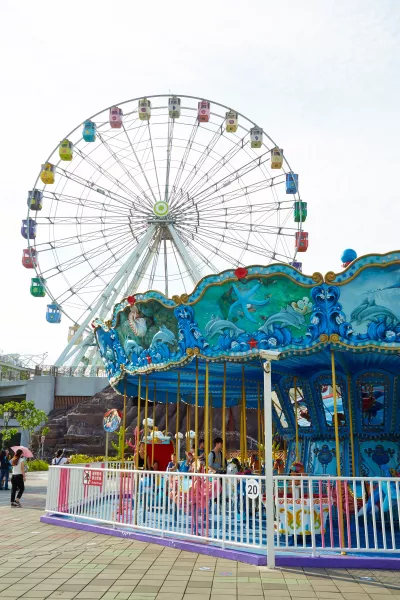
{"x":146,"y":414}
{"x":196,"y":415}
{"x":154,"y":424}
{"x":337,"y":446}
{"x":269,"y":480}
{"x":350,"y":405}
{"x":138,"y":425}
{"x":259,"y":426}
{"x":206,"y":417}
{"x":178,"y":400}
{"x":296,"y":420}
{"x":123,"y":429}
{"x":166,"y":412}
{"x":211,"y":422}
{"x":187,"y":429}
{"x":244,"y":415}
{"x":224,"y":416}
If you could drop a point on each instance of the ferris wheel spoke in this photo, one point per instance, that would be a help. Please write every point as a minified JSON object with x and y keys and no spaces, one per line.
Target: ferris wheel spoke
{"x":169,"y":152}
{"x":109,"y":176}
{"x":196,"y":251}
{"x":115,"y":232}
{"x":221,"y":211}
{"x":242,"y":226}
{"x":182,"y":164}
{"x":232,"y":177}
{"x":157,"y":244}
{"x":220,"y":164}
{"x":176,"y":201}
{"x":82,"y":259}
{"x":126,"y":171}
{"x":245,"y":190}
{"x":150,"y":188}
{"x":64,"y":199}
{"x":99,"y":189}
{"x":207,"y":245}
{"x":142,"y":269}
{"x":154,"y":161}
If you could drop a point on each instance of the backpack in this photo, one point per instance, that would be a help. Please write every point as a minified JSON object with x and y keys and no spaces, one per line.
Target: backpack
{"x":222,"y":470}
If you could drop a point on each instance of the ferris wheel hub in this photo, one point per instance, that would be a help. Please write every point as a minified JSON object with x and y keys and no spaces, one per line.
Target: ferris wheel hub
{"x":161,"y":208}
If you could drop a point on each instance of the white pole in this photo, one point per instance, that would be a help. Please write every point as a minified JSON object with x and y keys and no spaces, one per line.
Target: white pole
{"x":269,"y":481}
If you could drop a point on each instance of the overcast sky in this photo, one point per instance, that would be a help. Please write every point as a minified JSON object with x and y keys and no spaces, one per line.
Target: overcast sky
{"x":321,"y":77}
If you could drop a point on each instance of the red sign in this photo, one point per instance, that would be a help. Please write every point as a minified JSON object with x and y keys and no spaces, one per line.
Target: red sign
{"x":94,"y":478}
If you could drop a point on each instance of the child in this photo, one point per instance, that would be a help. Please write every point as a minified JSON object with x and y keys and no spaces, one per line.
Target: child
{"x":172,"y":466}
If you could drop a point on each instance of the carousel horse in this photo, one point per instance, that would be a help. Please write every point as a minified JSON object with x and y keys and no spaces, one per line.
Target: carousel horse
{"x":376,"y":497}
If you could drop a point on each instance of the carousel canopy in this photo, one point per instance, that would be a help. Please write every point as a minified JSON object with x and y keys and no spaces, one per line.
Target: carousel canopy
{"x":230,"y":317}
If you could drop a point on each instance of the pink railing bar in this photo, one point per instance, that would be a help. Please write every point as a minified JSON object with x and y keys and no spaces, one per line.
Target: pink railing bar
{"x":321,"y":514}
{"x":346,"y":497}
{"x":330,"y":497}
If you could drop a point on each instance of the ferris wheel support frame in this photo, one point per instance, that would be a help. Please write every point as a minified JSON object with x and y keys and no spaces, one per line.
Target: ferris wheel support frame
{"x":193,"y":271}
{"x":107,"y":297}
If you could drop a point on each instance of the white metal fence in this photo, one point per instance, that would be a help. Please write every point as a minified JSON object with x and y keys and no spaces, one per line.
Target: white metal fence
{"x":311,"y":514}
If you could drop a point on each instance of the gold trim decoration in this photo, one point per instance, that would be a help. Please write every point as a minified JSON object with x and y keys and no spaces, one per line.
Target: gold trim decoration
{"x":317,"y":278}
{"x":330,"y":277}
{"x":334,"y":337}
{"x":323,"y":337}
{"x":184,"y":298}
{"x":189,"y":351}
{"x":176,"y":299}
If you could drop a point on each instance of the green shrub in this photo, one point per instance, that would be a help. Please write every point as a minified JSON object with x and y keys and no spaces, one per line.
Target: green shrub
{"x":38,"y":465}
{"x":77,"y":459}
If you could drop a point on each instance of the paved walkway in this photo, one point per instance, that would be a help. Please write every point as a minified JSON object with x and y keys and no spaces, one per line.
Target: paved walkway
{"x":44,"y":561}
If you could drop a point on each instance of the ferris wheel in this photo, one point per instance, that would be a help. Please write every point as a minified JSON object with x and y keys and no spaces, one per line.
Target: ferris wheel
{"x":155,"y":193}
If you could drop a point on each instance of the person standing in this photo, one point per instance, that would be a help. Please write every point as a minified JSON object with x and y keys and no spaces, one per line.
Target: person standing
{"x":18,"y":478}
{"x":4,"y":469}
{"x":59,"y":460}
{"x":215,"y":458}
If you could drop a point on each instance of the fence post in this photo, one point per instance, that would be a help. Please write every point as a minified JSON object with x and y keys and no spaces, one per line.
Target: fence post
{"x":269,"y":481}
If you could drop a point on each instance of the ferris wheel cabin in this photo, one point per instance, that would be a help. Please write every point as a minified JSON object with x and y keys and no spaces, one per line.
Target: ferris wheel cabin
{"x":35,"y":200}
{"x":89,"y":131}
{"x":174,"y":107}
{"x":276,"y":158}
{"x":300,"y":212}
{"x":47,"y":173}
{"x":66,"y":150}
{"x":115,"y":117}
{"x":144,"y":109}
{"x":231,"y":121}
{"x":203,"y":111}
{"x":53,"y":313}
{"x":301,"y":241}
{"x":256,"y":137}
{"x":28,"y":229}
{"x":38,"y":289}
{"x":29,"y":258}
{"x":292,"y":183}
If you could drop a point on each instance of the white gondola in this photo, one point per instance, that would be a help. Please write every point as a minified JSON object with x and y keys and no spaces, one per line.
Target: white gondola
{"x":144,"y":109}
{"x":231,"y":121}
{"x":276,"y":158}
{"x":256,"y":137}
{"x":174,"y":107}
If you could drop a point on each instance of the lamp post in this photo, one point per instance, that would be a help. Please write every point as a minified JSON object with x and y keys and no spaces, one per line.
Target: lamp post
{"x":269,"y":356}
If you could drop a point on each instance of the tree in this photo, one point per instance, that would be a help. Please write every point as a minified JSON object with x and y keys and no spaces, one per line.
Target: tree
{"x":29,"y":417}
{"x":7,"y":432}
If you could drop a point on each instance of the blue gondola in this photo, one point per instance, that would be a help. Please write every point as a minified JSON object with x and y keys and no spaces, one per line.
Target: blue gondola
{"x":28,"y":229}
{"x":292,"y":183}
{"x":53,"y":313}
{"x":89,"y":131}
{"x":35,"y":200}
{"x":297,"y":265}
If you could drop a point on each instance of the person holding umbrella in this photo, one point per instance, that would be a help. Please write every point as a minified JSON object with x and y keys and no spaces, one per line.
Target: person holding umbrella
{"x":18,"y":478}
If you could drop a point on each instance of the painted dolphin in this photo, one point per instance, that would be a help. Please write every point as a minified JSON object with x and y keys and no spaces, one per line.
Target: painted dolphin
{"x":368,"y":310}
{"x":164,"y":336}
{"x":217,"y":326}
{"x":244,"y":302}
{"x":286,"y":316}
{"x":132,"y":347}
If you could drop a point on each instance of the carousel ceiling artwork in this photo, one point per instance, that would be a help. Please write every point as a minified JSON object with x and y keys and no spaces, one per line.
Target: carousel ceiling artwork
{"x":233,"y":315}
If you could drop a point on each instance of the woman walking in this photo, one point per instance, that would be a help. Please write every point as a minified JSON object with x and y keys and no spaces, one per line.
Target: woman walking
{"x":18,"y":478}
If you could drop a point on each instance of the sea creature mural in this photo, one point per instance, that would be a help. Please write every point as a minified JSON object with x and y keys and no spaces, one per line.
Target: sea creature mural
{"x":137,"y":322}
{"x":218,"y":326}
{"x":245,"y":303}
{"x":372,"y":405}
{"x":288,"y":316}
{"x":369,"y":311}
{"x":132,"y":348}
{"x":164,"y":336}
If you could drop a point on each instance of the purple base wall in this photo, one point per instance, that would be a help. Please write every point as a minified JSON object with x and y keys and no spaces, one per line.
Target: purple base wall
{"x":282,"y":560}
